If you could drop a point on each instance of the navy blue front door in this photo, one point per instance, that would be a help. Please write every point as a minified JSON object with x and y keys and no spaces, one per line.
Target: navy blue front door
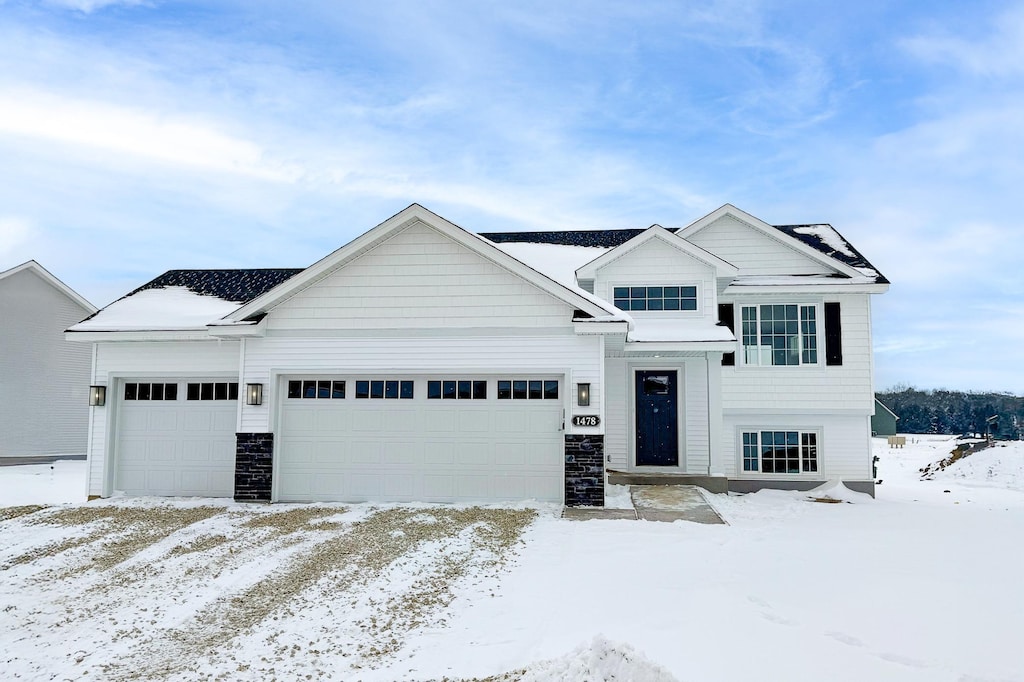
{"x":657,"y":419}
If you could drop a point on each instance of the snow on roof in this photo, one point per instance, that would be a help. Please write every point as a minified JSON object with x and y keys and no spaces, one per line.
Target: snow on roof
{"x":667,"y":330}
{"x":821,"y":237}
{"x":165,"y":309}
{"x":560,"y":262}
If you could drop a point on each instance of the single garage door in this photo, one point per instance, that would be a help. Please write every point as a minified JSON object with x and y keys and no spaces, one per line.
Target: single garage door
{"x":176,"y":438}
{"x":431,"y":439}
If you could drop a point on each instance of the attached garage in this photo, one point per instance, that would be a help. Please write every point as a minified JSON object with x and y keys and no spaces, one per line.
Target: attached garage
{"x":424,"y":438}
{"x":176,"y":437}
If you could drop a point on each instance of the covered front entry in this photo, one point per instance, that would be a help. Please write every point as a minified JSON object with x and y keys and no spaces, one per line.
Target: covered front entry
{"x":415,"y":438}
{"x":176,"y":437}
{"x":657,"y":418}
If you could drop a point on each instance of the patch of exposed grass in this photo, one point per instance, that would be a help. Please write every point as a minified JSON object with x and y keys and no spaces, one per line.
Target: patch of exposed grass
{"x":200,"y":544}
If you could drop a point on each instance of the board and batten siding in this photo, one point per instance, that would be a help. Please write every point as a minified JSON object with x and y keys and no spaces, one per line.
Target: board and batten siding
{"x":44,"y":379}
{"x":578,"y":358}
{"x":848,"y":387}
{"x":621,"y":409}
{"x":844,"y":447}
{"x":420,"y":279}
{"x":753,"y":252}
{"x":148,"y":359}
{"x":655,"y":263}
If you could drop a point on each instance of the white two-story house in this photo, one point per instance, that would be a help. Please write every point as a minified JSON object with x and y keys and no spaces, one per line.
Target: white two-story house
{"x":425,"y":362}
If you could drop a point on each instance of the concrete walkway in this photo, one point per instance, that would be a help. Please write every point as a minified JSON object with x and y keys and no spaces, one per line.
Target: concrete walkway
{"x":666,"y":503}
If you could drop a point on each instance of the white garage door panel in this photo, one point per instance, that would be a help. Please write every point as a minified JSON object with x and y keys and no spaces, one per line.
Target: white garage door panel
{"x":420,"y":450}
{"x":176,"y":447}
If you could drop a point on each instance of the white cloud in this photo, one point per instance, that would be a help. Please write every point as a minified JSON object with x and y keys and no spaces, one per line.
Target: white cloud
{"x":135,"y":132}
{"x":90,"y":6}
{"x":1001,"y":53}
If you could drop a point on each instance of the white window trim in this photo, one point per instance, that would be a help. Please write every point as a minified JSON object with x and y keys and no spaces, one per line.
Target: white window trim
{"x":819,"y":319}
{"x":661,"y":282}
{"x":819,"y":444}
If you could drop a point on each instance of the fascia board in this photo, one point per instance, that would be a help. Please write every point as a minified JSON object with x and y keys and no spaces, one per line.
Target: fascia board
{"x":826,"y":288}
{"x":600,"y":326}
{"x":670,"y":346}
{"x":139,"y":335}
{"x":723,"y":268}
{"x":770,"y":232}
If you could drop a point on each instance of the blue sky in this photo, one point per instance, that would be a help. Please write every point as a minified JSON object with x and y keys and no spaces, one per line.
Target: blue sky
{"x":138,"y":137}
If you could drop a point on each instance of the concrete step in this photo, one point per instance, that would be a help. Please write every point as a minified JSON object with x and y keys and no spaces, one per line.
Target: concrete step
{"x":714,"y":484}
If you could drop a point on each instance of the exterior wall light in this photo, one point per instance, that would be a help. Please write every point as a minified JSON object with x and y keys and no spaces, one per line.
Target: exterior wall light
{"x":254,"y":394}
{"x":583,"y":395}
{"x":97,"y":396}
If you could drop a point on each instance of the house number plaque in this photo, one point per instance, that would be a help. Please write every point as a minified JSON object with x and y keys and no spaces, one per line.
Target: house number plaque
{"x":586,"y":420}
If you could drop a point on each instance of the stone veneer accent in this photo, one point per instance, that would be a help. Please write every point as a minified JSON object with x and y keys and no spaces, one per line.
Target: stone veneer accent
{"x":254,"y":460}
{"x":584,"y":471}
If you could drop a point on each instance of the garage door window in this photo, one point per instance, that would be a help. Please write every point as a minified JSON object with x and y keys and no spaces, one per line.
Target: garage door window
{"x":212,"y":390}
{"x":384,"y":389}
{"x":147,"y":391}
{"x":323,"y":389}
{"x":527,"y":389}
{"x":457,"y":389}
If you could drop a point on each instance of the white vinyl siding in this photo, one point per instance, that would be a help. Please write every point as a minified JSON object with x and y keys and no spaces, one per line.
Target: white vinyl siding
{"x":420,"y":279}
{"x":847,"y":387}
{"x":843,"y":443}
{"x":44,"y":404}
{"x":656,"y":263}
{"x":620,"y":430}
{"x":752,"y":252}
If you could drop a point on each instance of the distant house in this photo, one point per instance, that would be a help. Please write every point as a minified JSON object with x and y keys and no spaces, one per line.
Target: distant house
{"x":883,"y":421}
{"x":425,"y":362}
{"x":44,"y":380}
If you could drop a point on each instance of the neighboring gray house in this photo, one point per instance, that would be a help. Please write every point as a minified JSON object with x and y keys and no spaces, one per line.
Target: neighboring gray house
{"x":44,"y":380}
{"x":424,"y":362}
{"x":883,"y":421}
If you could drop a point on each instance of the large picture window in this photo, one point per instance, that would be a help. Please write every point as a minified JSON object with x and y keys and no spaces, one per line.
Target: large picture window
{"x":780,"y":335}
{"x":780,"y":452}
{"x":673,"y":298}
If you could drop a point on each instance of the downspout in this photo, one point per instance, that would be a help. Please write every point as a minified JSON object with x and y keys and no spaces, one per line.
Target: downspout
{"x":707,"y":384}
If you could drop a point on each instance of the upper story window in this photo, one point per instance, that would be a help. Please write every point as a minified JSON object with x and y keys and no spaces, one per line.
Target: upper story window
{"x":780,"y":335}
{"x":672,"y":298}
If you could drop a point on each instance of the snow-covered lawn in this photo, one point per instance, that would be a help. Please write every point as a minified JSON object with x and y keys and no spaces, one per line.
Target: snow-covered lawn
{"x":918,"y":584}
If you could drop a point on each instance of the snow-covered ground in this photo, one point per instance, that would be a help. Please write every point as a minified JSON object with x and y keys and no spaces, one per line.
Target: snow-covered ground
{"x":922,"y":583}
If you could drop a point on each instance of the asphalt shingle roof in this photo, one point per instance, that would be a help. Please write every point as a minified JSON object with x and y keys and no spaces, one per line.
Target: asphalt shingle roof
{"x":240,"y":286}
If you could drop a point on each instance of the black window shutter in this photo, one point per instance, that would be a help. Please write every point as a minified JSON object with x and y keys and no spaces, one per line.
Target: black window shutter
{"x":726,"y":317}
{"x":833,"y":335}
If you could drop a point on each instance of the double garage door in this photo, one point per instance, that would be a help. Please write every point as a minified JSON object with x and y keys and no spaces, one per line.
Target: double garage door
{"x":431,"y":439}
{"x":176,"y":437}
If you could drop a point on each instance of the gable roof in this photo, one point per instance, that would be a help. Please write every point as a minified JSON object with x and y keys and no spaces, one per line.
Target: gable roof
{"x":817,"y":239}
{"x":414,"y":213}
{"x":879,"y":403}
{"x":48,"y":277}
{"x":723,"y":268}
{"x":184,"y":299}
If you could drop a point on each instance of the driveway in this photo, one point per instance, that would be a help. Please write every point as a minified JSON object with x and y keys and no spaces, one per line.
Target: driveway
{"x":154,"y":591}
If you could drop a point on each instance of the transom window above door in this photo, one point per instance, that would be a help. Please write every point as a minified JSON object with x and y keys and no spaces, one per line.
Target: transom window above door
{"x":671,"y":298}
